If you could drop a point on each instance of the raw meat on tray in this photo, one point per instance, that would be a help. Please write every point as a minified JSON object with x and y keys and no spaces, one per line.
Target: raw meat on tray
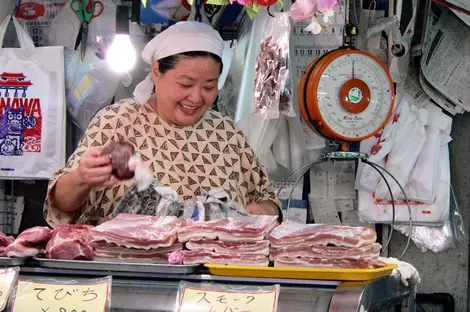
{"x":111,"y":252}
{"x":139,"y":231}
{"x":292,"y":234}
{"x":324,"y":246}
{"x":232,"y":241}
{"x":29,"y":243}
{"x":218,"y":246}
{"x":238,"y":229}
{"x":4,"y":242}
{"x":242,"y":259}
{"x":70,"y":242}
{"x":137,"y":238}
{"x":327,"y":252}
{"x":328,"y":263}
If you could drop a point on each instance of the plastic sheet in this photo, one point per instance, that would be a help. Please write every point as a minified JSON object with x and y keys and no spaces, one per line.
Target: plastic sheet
{"x":439,"y":238}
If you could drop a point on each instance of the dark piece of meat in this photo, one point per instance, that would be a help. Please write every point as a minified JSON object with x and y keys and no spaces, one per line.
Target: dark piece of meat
{"x":70,"y":242}
{"x":30,"y":243}
{"x":120,"y":153}
{"x":4,"y":242}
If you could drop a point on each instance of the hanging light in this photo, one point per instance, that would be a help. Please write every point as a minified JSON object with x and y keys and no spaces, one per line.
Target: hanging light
{"x":121,"y":55}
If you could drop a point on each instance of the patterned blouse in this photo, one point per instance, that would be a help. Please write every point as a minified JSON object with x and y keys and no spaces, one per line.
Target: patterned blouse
{"x":213,"y":153}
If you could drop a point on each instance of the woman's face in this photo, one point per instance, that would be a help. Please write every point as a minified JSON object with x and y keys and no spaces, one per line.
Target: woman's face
{"x":187,"y":91}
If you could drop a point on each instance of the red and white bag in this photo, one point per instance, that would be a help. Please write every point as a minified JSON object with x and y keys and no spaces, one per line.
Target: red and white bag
{"x":32,"y":108}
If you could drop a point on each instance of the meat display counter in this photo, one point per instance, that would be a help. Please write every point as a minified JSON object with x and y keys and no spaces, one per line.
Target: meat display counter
{"x":145,"y":292}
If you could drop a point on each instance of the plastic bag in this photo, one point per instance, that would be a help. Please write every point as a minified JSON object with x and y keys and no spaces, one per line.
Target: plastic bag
{"x":271,"y":70}
{"x":225,"y":297}
{"x":440,"y":238}
{"x":93,"y":87}
{"x":423,"y":182}
{"x":40,"y":293}
{"x":157,"y":200}
{"x":407,"y":146}
{"x":374,"y":210}
{"x":211,"y":206}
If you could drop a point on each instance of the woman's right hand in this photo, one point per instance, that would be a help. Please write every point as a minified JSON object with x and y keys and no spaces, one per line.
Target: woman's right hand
{"x":94,"y":169}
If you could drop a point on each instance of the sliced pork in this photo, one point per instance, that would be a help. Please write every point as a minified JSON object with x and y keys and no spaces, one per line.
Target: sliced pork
{"x":112,"y":252}
{"x":70,"y":242}
{"x":29,"y":243}
{"x":139,"y":231}
{"x":200,"y":256}
{"x":239,"y":229}
{"x":328,"y":263}
{"x":293,"y":234}
{"x":260,"y":247}
{"x":327,"y":252}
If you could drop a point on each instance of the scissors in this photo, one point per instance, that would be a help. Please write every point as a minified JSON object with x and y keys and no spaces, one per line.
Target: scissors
{"x":85,"y":10}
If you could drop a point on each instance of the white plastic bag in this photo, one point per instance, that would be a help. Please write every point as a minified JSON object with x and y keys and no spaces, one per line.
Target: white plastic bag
{"x":32,"y":108}
{"x":407,"y":146}
{"x":374,"y":210}
{"x":422,"y":184}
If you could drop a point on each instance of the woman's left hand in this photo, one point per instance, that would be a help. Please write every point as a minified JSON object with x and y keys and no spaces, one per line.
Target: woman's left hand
{"x":263,"y":208}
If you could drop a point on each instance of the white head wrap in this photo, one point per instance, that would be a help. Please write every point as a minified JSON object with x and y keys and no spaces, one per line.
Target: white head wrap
{"x":181,"y":37}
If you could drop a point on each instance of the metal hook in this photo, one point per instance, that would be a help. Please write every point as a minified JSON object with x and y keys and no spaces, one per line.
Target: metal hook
{"x":269,"y":11}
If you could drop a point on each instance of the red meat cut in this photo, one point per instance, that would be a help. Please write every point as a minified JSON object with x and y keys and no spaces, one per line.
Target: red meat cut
{"x":239,"y":229}
{"x":30,"y":243}
{"x":70,"y":242}
{"x":120,"y":153}
{"x":4,"y":242}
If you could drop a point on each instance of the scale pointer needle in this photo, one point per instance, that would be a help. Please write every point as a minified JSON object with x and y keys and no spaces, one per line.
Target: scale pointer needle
{"x":353,"y":69}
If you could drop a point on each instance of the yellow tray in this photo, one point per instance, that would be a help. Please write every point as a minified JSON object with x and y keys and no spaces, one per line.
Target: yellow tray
{"x":301,"y":273}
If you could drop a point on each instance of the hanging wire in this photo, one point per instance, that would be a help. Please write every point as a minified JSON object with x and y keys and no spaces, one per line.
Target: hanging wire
{"x":406,"y":201}
{"x":384,"y":248}
{"x":304,"y":169}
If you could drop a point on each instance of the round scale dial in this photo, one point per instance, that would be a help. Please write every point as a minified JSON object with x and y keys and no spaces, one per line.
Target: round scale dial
{"x":346,"y":95}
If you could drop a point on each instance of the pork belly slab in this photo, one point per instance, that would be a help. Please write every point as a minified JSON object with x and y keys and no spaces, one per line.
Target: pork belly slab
{"x":239,"y":229}
{"x":293,"y":234}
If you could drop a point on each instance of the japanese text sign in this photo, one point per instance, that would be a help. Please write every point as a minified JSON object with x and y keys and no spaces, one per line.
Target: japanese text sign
{"x":195,"y":299}
{"x":7,"y":280}
{"x":57,"y":296}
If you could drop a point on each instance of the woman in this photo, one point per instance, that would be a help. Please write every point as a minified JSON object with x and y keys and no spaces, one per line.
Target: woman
{"x":186,"y":146}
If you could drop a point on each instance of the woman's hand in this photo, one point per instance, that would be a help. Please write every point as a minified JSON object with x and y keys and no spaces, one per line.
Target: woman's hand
{"x":94,"y":169}
{"x":263,"y":208}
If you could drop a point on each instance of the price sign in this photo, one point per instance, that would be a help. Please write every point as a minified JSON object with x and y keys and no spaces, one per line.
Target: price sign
{"x":88,"y":296}
{"x":204,"y":300}
{"x":7,"y":280}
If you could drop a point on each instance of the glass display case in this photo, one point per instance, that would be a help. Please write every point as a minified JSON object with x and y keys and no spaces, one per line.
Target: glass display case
{"x":141,"y":292}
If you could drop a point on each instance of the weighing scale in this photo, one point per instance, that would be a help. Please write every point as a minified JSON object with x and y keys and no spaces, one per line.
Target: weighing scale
{"x":347,"y":96}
